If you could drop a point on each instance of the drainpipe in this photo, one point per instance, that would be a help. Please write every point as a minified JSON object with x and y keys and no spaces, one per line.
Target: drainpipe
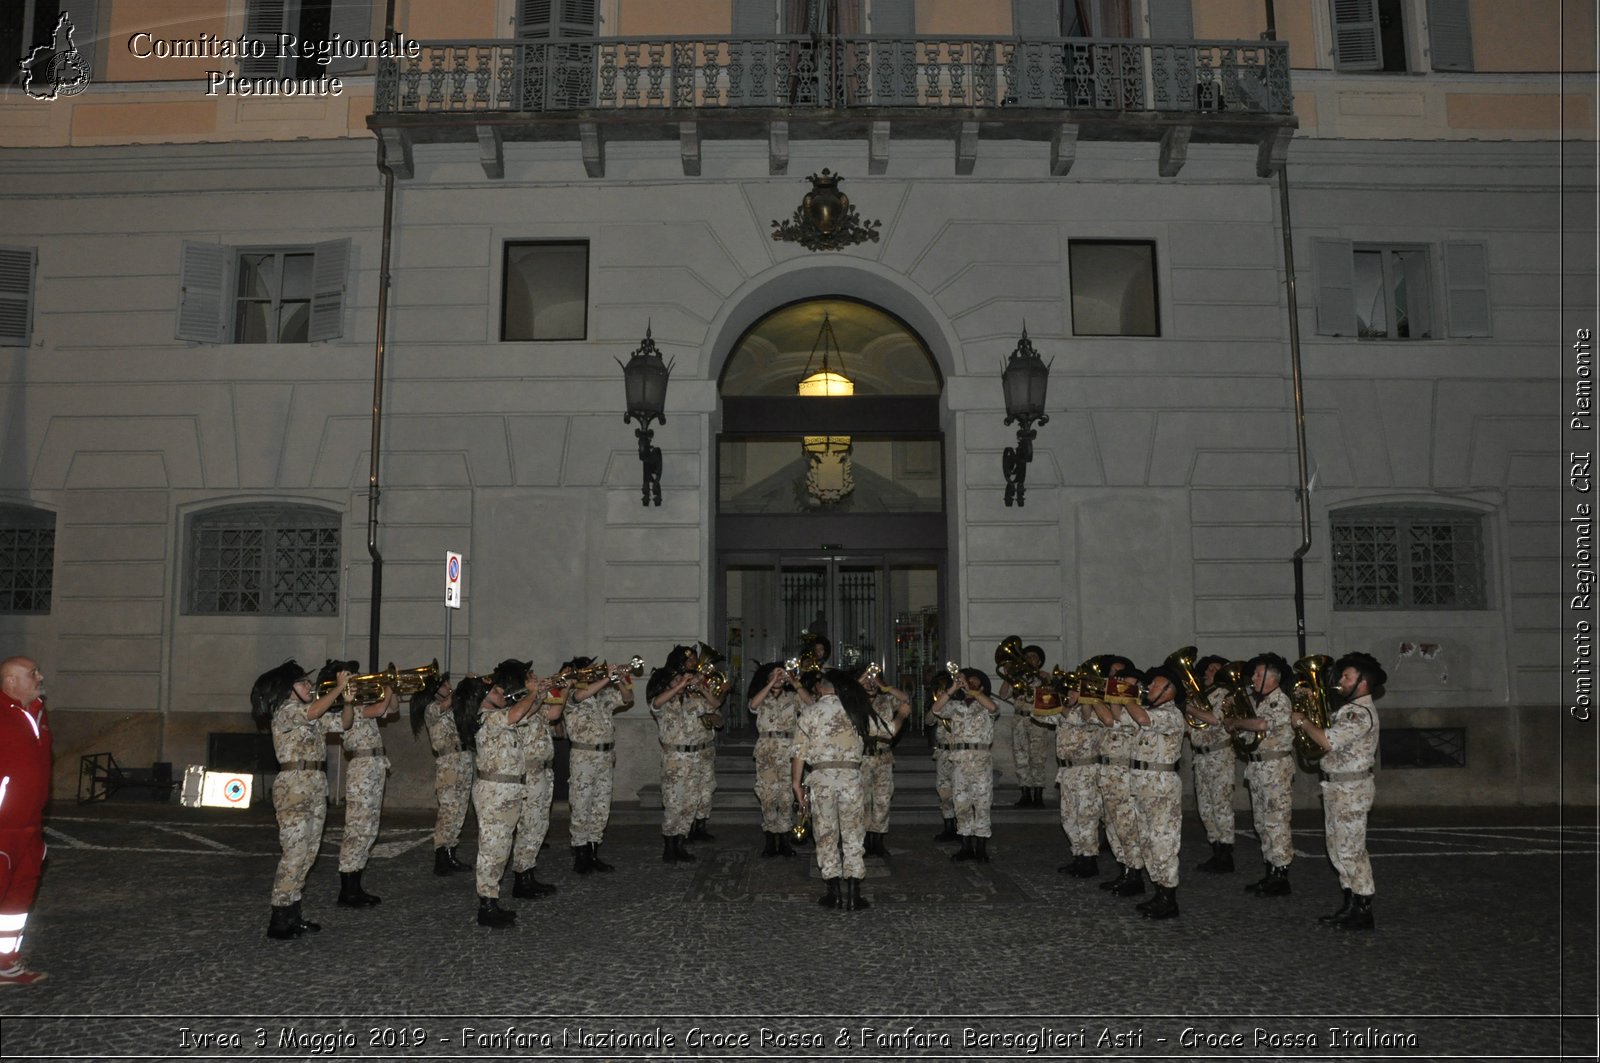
{"x":1304,"y":493}
{"x":375,"y":623}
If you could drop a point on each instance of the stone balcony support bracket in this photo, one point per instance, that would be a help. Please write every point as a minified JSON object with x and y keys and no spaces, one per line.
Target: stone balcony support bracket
{"x":689,"y":147}
{"x":1272,"y":153}
{"x":966,"y":147}
{"x":878,"y":148}
{"x":1063,"y":149}
{"x":594,"y":148}
{"x":397,"y":151}
{"x":491,"y":151}
{"x":1174,"y":149}
{"x":777,"y":148}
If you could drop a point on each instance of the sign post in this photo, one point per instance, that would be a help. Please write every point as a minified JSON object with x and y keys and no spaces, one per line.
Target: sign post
{"x":452,"y":597}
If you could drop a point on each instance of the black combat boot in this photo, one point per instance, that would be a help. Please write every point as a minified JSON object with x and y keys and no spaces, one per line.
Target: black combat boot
{"x":582,"y":862}
{"x":351,"y":895}
{"x":883,"y":844}
{"x":1026,"y":800}
{"x":283,"y":925}
{"x":980,"y":849}
{"x":527,"y":885}
{"x":681,"y":846}
{"x":1344,"y":910}
{"x":1165,"y":905}
{"x":1221,"y":862}
{"x":1134,"y":887}
{"x":669,"y":849}
{"x":1090,"y":868}
{"x":1116,"y":883}
{"x":1360,"y":917}
{"x":831,"y":899}
{"x":441,"y":862}
{"x":771,"y":848}
{"x":1276,"y":884}
{"x":949,"y":833}
{"x":699,"y":832}
{"x":784,"y":848}
{"x":457,"y":865}
{"x":594,"y":858}
{"x":491,"y":914}
{"x":302,"y":925}
{"x":852,"y":896}
{"x":968,"y":850}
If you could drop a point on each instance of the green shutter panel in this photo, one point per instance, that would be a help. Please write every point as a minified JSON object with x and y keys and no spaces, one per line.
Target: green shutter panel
{"x":200,"y":286}
{"x":535,"y":18}
{"x":351,"y":20}
{"x":1355,"y":35}
{"x":18,"y":265}
{"x":1171,"y":20}
{"x":263,"y":21}
{"x":329,"y":270}
{"x":579,"y":18}
{"x":1450,"y":34}
{"x":1336,"y":287}
{"x":1466,"y":284}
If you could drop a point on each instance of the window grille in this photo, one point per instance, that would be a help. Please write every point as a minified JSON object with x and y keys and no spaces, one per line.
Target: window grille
{"x":1386,"y":558}
{"x":1423,"y":747}
{"x":268,"y":560}
{"x":27,"y":559}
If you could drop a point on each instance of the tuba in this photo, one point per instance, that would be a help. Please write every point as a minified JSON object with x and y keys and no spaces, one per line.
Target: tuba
{"x":1238,"y":704}
{"x":1182,"y":661}
{"x":1313,"y":700}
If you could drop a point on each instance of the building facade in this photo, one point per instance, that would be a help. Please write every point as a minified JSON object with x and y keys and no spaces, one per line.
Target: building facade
{"x":207,"y":258}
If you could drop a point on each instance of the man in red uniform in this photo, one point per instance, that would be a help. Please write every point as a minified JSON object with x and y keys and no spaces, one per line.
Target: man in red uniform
{"x":24,"y":789}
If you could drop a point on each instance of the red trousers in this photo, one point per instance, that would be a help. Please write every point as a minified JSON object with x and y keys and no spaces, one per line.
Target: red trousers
{"x":21,"y":854}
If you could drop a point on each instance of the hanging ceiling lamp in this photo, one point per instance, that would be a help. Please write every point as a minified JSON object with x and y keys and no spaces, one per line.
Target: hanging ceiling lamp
{"x":828,"y":472}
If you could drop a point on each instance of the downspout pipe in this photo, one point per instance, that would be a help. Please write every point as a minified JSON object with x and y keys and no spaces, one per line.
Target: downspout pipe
{"x":1304,"y":493}
{"x":375,"y":621}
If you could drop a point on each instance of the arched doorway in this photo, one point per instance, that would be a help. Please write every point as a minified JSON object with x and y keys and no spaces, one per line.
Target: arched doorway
{"x":830,"y":501}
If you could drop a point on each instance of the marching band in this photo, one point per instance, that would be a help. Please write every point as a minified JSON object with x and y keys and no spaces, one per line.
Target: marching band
{"x":824,"y":763}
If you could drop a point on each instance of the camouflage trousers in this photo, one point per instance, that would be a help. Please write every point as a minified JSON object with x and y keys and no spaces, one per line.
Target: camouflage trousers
{"x":1122,"y":822}
{"x":773,"y":787}
{"x":452,"y":788}
{"x":300,"y":799}
{"x":705,"y":782}
{"x":499,"y":805}
{"x":1158,"y":803}
{"x":1344,"y":810}
{"x":972,"y":787}
{"x":838,"y":822}
{"x":943,"y":774}
{"x":1033,"y":751}
{"x":679,"y":779}
{"x":534,"y":822}
{"x":877,"y":790}
{"x":1080,"y":808}
{"x":1271,"y":784}
{"x":1213,"y":791}
{"x":590,"y":773}
{"x":363,"y":805}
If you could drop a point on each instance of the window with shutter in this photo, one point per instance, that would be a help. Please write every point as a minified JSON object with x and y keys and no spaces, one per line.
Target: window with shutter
{"x":1355,"y":35}
{"x":1383,"y":291}
{"x":1171,"y":20}
{"x":311,"y":23}
{"x":1450,"y":34}
{"x":1466,"y":283}
{"x":263,"y":294}
{"x":18,"y":266}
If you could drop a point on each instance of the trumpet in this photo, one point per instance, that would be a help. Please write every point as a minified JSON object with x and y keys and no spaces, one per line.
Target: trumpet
{"x":374,"y":687}
{"x":872,"y":674}
{"x":802,"y":825}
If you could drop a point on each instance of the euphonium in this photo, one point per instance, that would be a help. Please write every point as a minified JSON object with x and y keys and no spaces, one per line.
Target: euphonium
{"x":1311,"y":699}
{"x":716,"y":682}
{"x":1182,"y":661}
{"x":1239,"y":704}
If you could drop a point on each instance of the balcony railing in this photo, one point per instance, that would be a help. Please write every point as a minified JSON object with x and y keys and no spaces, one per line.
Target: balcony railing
{"x":801,"y":73}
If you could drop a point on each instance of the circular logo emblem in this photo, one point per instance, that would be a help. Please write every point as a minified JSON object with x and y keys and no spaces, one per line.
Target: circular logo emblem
{"x":234,"y":790}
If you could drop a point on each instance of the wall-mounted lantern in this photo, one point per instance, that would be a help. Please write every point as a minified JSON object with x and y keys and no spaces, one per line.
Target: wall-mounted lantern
{"x":645,"y":379}
{"x":1024,"y":380}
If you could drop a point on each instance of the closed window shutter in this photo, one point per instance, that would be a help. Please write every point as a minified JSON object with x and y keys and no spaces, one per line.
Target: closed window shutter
{"x":1450,"y":34}
{"x":85,"y":30}
{"x":17,"y":269}
{"x":1336,"y":296}
{"x":893,"y":18}
{"x":351,"y":20}
{"x":754,"y":18}
{"x":1036,"y":20}
{"x":1466,"y":282}
{"x":1355,"y":35}
{"x":535,"y":18}
{"x":328,"y":275}
{"x":1171,"y":20}
{"x":263,"y":21}
{"x":200,"y":303}
{"x":579,"y":18}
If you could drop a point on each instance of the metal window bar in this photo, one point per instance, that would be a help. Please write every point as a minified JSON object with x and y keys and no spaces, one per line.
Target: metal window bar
{"x":273,"y":562}
{"x":1408,"y":559}
{"x":1423,"y":747}
{"x":27,"y":568}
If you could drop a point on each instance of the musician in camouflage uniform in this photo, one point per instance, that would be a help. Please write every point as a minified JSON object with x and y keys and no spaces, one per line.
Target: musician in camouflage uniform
{"x":1269,"y":771}
{"x":890,"y":708}
{"x":452,"y":772}
{"x":1116,"y":788}
{"x":1033,"y":739}
{"x":775,"y":698}
{"x":1157,"y":790}
{"x":539,"y":759}
{"x":365,"y":771}
{"x":970,"y":709}
{"x":680,"y":706}
{"x":592,"y":761}
{"x":1212,"y":760}
{"x":501,"y":766}
{"x":1078,"y":734}
{"x":285,"y":699}
{"x":939,"y":741}
{"x":829,"y":737}
{"x":1351,"y":749}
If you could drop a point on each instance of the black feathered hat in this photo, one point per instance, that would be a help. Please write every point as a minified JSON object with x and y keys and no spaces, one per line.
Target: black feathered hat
{"x":272,"y":688}
{"x":1180,"y":696}
{"x":758,"y":682}
{"x":1274,"y":663}
{"x":982,"y":677}
{"x":1037,"y":651}
{"x":1369,"y":669}
{"x":423,"y":698}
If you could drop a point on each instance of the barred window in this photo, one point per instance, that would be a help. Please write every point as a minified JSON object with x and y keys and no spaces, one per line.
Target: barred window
{"x":264,"y":559}
{"x":1418,"y":558}
{"x":27,"y":559}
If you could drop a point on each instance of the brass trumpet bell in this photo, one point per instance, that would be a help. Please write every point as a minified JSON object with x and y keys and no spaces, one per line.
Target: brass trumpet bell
{"x":366,"y":689}
{"x":1182,"y":661}
{"x":1235,"y":678}
{"x":802,"y":826}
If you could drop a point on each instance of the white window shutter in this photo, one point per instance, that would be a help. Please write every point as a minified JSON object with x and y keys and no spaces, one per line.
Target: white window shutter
{"x":1466,"y":284}
{"x":579,"y":18}
{"x":263,"y":21}
{"x":536,"y":18}
{"x":1336,"y":297}
{"x":1036,"y":20}
{"x":18,"y":266}
{"x":1450,"y":34}
{"x":754,"y":18}
{"x":329,"y":270}
{"x":893,"y":18}
{"x":200,"y":293}
{"x":1171,"y":20}
{"x":1356,"y":45}
{"x":351,"y":20}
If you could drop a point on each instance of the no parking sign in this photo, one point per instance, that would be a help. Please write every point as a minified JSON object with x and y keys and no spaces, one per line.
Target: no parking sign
{"x":215,"y":789}
{"x":452,"y":579}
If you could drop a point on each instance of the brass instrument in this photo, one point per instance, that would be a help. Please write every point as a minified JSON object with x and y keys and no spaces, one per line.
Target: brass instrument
{"x":1089,"y":681}
{"x":374,"y":687}
{"x":1182,"y":661}
{"x":872,"y":674}
{"x":1011,"y":664}
{"x":802,"y":825}
{"x":714,"y":680}
{"x":1239,"y":704}
{"x":1313,"y":700}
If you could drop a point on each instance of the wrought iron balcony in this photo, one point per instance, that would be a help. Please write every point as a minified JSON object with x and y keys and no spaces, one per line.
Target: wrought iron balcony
{"x":964,"y":89}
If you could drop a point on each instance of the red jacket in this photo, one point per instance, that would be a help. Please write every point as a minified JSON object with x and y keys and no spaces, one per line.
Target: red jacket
{"x":24,"y":763}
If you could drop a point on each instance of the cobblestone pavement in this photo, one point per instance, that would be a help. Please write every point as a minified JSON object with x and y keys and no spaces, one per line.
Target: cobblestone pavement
{"x":151,"y":924}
